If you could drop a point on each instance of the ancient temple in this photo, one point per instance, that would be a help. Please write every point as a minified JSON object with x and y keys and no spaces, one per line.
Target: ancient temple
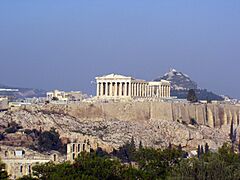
{"x":119,"y":86}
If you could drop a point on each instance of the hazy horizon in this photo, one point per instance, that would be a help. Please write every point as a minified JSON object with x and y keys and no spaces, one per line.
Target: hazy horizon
{"x":65,"y":44}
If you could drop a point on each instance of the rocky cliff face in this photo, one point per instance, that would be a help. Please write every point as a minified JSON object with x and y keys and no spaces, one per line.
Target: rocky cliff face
{"x":112,"y":125}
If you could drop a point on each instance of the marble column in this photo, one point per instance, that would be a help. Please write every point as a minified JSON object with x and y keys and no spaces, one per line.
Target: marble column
{"x":98,"y":85}
{"x":125,"y":89}
{"x":135,"y":89}
{"x":106,"y":89}
{"x":132,"y":89}
{"x":148,"y":91}
{"x":111,"y":86}
{"x":101,"y":91}
{"x":165,"y":91}
{"x":129,"y":88}
{"x":115,"y":88}
{"x":120,"y":89}
{"x":168,"y":91}
{"x":162,"y":90}
{"x":145,"y":90}
{"x":140,"y":90}
{"x":157,"y":95}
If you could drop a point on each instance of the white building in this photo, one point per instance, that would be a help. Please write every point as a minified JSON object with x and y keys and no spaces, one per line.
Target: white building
{"x":57,"y":95}
{"x":119,"y":86}
{"x":66,"y":96}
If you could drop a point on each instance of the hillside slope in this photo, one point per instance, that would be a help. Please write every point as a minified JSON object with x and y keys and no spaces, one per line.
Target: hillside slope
{"x":115,"y":132}
{"x":181,"y":83}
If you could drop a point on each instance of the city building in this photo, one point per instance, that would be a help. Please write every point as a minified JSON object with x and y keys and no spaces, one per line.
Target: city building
{"x":119,"y":86}
{"x":19,"y":161}
{"x":57,"y":95}
{"x":74,"y":150}
{"x":65,"y":96}
{"x":3,"y":103}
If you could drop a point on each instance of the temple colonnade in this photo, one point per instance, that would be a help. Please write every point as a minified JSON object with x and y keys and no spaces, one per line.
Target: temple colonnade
{"x":120,"y":86}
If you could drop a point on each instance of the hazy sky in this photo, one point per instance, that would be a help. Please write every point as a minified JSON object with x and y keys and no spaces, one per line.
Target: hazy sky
{"x":64,"y":44}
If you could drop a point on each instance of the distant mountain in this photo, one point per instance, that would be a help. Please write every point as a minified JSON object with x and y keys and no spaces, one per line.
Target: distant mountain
{"x":181,"y":83}
{"x":19,"y":93}
{"x":179,"y":80}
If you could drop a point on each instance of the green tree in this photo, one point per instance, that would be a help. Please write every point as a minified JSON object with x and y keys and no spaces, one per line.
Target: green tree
{"x":140,"y":145}
{"x":199,"y":151}
{"x":49,"y":140}
{"x":127,"y":152}
{"x":192,"y":97}
{"x":27,"y":178}
{"x":221,"y":165}
{"x":206,"y":148}
{"x":3,"y":172}
{"x":158,"y":163}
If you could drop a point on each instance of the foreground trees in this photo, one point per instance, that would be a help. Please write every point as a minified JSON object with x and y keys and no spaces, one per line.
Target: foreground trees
{"x":146,"y":163}
{"x":221,"y":165}
{"x":3,"y":173}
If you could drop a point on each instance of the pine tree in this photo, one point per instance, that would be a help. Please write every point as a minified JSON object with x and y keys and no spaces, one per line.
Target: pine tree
{"x":140,"y":145}
{"x":180,"y":147}
{"x":3,"y":173}
{"x":131,"y":150}
{"x":202,"y":150}
{"x":199,"y":151}
{"x":192,"y":96}
{"x":206,"y":148}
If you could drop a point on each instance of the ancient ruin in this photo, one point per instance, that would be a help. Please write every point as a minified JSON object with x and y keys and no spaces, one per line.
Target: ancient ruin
{"x":119,"y":86}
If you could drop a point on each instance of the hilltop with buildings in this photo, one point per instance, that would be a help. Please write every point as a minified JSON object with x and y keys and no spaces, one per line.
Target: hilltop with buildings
{"x":124,"y":108}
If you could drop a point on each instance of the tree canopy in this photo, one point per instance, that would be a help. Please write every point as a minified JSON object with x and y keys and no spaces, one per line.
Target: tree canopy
{"x":192,"y":97}
{"x":146,"y":163}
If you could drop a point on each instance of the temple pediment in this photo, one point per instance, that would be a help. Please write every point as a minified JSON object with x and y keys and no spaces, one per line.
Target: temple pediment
{"x":114,"y":76}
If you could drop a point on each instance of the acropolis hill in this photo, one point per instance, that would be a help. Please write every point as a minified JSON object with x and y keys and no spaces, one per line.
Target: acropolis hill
{"x":112,"y":124}
{"x":125,"y":107}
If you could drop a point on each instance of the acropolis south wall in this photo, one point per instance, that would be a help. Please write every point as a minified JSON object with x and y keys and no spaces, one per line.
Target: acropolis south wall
{"x":213,"y":115}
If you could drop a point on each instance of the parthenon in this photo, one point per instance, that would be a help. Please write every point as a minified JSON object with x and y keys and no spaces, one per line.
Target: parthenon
{"x":119,"y":86}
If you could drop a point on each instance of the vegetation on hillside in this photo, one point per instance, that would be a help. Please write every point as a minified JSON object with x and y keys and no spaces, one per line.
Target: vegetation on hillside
{"x":192,"y":97}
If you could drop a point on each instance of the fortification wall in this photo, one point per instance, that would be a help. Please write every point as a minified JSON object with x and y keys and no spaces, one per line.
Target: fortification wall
{"x":213,"y":115}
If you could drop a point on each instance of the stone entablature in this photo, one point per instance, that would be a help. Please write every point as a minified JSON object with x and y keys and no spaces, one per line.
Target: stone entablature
{"x":119,"y":86}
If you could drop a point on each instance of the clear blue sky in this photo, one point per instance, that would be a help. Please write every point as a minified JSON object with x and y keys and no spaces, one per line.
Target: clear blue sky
{"x":64,"y":44}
